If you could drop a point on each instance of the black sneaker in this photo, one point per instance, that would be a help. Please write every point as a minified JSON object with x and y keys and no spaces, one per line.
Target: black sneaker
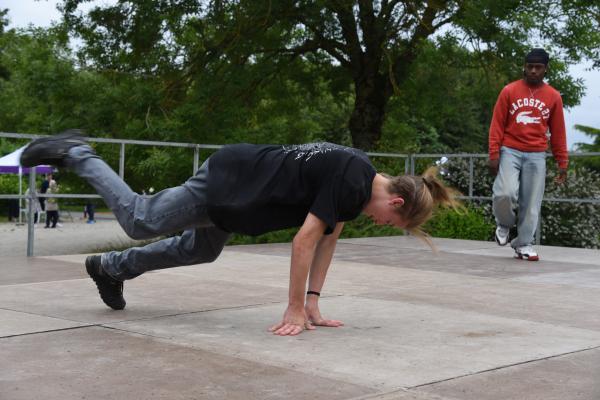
{"x":51,"y":150}
{"x":110,"y":289}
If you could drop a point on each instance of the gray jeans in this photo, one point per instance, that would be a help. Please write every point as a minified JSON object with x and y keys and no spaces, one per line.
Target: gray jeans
{"x":520,"y":183}
{"x":181,"y":208}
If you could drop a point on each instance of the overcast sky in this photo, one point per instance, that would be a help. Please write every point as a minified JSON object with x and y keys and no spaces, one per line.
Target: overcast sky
{"x":42,"y":12}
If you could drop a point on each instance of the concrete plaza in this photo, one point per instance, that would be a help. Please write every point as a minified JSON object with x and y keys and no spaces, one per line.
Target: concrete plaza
{"x":467,"y":323}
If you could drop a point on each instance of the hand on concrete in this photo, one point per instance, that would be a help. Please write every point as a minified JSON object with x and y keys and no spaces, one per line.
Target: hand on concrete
{"x":561,"y":178}
{"x":314,"y":316}
{"x":493,"y":166}
{"x":293,"y":323}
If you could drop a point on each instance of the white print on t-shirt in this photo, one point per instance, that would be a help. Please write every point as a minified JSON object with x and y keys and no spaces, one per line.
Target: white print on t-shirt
{"x":524,"y":118}
{"x":530,"y":102}
{"x":312,"y":149}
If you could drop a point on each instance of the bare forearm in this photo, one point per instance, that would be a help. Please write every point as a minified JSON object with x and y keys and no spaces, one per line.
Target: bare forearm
{"x":320,"y":265}
{"x":302,"y":255}
{"x":322,"y":259}
{"x":318,"y":272}
{"x":303,"y":251}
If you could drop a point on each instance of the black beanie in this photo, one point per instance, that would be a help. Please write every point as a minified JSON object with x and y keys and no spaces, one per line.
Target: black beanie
{"x":537,"y":56}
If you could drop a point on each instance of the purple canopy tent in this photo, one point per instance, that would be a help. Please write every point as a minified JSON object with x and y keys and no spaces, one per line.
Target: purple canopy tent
{"x":9,"y":164}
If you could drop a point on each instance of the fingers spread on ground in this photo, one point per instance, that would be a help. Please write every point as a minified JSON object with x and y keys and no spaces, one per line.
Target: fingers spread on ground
{"x":288,"y":329}
{"x":275,"y":327}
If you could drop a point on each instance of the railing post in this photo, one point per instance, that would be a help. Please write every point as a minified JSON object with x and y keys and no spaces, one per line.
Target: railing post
{"x":470,"y":177}
{"x":196,"y":158}
{"x":122,"y":162}
{"x":30,"y":212}
{"x":412,"y":164}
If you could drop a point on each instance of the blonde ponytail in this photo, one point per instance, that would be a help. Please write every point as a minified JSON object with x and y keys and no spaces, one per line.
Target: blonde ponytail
{"x":422,"y":194}
{"x":441,"y":194}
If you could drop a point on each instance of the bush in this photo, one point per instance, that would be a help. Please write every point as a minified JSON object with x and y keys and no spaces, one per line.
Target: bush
{"x":283,"y":236}
{"x":9,"y":184}
{"x":569,"y":224}
{"x":563,"y":224}
{"x":360,"y":227}
{"x":472,"y":224}
{"x":364,"y":227}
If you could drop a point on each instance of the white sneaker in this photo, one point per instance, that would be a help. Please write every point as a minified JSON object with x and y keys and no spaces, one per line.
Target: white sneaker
{"x":502,"y":233}
{"x":526,"y":253}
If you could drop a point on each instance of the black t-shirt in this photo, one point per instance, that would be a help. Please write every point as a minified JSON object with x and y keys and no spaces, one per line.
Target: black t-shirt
{"x":253,"y":189}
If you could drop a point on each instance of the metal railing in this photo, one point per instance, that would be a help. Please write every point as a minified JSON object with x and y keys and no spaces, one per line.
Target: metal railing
{"x":409,"y":168}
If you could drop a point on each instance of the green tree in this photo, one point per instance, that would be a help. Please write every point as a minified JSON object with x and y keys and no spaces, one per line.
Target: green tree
{"x":47,"y":93}
{"x":38,"y":95}
{"x":591,"y":162}
{"x":374,"y":44}
{"x":4,"y":74}
{"x":594,"y":133}
{"x":446,"y":104}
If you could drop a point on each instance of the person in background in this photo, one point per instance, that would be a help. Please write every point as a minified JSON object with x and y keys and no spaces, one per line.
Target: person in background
{"x":44,"y":189}
{"x":525,"y":111}
{"x":89,"y":211}
{"x":52,"y":205}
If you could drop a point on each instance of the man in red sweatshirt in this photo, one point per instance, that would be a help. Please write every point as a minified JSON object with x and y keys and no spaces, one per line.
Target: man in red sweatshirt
{"x":525,"y":112}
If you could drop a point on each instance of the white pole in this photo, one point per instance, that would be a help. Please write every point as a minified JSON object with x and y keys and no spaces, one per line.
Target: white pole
{"x":20,"y":192}
{"x":31,"y":211}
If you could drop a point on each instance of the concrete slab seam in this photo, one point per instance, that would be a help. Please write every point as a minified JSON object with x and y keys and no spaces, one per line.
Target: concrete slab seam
{"x":141,"y":334}
{"x":43,"y":282}
{"x":39,"y":315}
{"x":48,"y":331}
{"x":506,"y":366}
{"x":373,"y":296}
{"x":376,"y":396}
{"x":231,"y":308}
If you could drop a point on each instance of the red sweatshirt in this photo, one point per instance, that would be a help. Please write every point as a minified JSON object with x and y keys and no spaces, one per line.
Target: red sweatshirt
{"x":522,"y":116}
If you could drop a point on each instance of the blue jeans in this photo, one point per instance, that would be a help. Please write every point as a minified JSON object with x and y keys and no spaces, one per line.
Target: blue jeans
{"x":181,"y":208}
{"x":520,"y":183}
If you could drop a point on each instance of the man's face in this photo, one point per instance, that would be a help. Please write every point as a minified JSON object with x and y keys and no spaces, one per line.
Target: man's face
{"x":534,"y":73}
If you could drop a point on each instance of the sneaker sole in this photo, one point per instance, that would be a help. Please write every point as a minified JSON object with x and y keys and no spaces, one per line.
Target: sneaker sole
{"x":526,"y":258}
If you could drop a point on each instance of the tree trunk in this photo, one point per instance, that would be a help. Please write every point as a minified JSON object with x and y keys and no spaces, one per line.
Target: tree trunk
{"x":369,"y":111}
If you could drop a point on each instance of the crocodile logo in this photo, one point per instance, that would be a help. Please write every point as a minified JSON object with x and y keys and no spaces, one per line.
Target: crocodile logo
{"x":524,"y":118}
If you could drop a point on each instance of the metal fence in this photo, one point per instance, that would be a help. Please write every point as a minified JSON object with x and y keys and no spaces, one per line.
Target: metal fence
{"x":410,"y":161}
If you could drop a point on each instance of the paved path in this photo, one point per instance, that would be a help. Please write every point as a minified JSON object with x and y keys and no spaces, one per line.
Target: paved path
{"x":72,"y":237}
{"x":468,"y":323}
